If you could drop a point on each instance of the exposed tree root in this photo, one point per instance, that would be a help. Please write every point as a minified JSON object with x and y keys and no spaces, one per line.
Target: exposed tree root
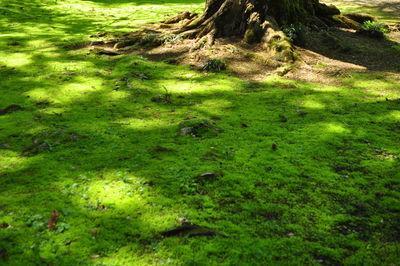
{"x":254,"y":24}
{"x":252,"y":21}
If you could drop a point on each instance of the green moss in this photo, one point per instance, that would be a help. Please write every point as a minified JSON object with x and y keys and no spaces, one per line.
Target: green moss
{"x":250,"y":36}
{"x":327,"y":193}
{"x":291,"y":11}
{"x":346,"y":22}
{"x":253,"y":34}
{"x":387,"y":14}
{"x":373,"y":29}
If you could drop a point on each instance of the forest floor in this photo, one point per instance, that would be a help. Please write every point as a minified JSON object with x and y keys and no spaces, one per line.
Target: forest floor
{"x":101,"y":155}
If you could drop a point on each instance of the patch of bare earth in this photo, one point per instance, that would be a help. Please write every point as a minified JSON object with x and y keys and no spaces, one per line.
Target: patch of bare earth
{"x":325,"y":60}
{"x":243,"y":60}
{"x":326,"y":56}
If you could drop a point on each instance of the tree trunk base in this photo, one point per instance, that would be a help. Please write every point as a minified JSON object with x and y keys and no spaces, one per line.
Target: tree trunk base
{"x":250,"y":23}
{"x":253,"y":21}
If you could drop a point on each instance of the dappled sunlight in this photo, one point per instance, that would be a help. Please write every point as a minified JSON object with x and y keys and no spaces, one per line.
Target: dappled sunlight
{"x":143,"y":124}
{"x":386,"y":10}
{"x":11,"y":161}
{"x":335,"y":128}
{"x":16,"y":60}
{"x":325,"y":88}
{"x":377,"y":85}
{"x":313,"y":104}
{"x":296,"y":171}
{"x":122,"y":193}
{"x":395,"y":115}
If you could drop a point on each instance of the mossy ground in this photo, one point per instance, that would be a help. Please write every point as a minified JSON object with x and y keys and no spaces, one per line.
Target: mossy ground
{"x":387,"y":11}
{"x":309,"y":173}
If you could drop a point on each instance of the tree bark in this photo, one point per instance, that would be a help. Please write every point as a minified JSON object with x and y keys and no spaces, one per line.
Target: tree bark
{"x":253,"y":19}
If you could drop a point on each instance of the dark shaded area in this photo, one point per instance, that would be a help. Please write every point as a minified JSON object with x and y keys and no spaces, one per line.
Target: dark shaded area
{"x":349,"y":46}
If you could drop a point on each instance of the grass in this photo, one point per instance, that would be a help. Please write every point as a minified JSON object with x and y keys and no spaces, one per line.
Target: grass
{"x":308,"y":173}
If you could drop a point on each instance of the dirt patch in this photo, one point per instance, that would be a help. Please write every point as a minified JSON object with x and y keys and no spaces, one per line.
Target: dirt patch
{"x":249,"y":61}
{"x":326,"y":55}
{"x":325,"y":62}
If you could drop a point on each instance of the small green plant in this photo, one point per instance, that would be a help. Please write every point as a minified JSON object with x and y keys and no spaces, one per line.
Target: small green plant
{"x":297,"y":33}
{"x":167,"y":95}
{"x":233,"y":49}
{"x":214,"y":65}
{"x":396,"y":48}
{"x":373,"y":29}
{"x":320,"y":65}
{"x":35,"y":221}
{"x":61,"y":227}
{"x":167,"y":39}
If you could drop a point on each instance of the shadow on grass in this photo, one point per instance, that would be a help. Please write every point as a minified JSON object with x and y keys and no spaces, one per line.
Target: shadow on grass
{"x":116,"y":191}
{"x":350,"y":47}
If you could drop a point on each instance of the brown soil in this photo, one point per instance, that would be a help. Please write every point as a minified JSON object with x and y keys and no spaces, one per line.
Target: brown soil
{"x":322,"y":63}
{"x":321,"y":59}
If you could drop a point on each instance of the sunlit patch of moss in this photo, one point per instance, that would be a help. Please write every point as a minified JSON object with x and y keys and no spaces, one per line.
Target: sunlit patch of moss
{"x":16,"y":60}
{"x":336,"y":128}
{"x":313,"y":104}
{"x":377,"y":9}
{"x":394,"y":115}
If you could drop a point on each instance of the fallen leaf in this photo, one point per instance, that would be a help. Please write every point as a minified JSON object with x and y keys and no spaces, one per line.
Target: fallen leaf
{"x":51,"y":224}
